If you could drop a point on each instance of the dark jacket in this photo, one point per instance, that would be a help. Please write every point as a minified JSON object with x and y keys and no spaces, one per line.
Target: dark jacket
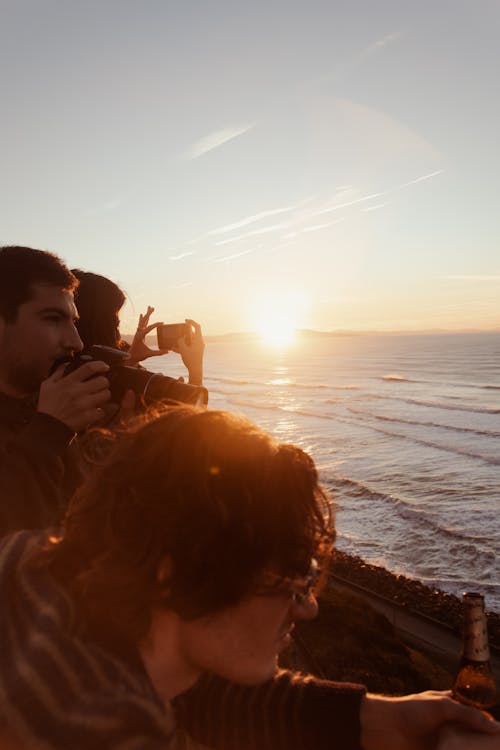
{"x":37,"y":473}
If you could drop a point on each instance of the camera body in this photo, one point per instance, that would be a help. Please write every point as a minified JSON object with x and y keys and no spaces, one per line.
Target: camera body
{"x":170,"y":333}
{"x":149,"y":387}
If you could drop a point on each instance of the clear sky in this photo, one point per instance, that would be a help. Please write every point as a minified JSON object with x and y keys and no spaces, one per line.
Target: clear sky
{"x":336,"y":163}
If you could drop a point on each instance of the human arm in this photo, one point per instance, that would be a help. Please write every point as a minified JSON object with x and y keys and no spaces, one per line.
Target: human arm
{"x":192,"y":353}
{"x":291,"y":712}
{"x":294,"y":712}
{"x":413,"y":722}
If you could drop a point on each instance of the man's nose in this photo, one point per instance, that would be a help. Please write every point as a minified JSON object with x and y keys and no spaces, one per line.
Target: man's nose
{"x":305,"y":608}
{"x":72,"y":340}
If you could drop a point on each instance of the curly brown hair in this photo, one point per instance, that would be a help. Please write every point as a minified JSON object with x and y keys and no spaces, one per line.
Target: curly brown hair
{"x":208,"y":490}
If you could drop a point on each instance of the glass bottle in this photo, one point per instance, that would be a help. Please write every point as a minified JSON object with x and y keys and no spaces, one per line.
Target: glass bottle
{"x":474,"y":683}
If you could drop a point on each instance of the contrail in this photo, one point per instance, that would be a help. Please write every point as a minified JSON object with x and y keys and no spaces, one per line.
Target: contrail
{"x":216,"y":139}
{"x":182,"y":255}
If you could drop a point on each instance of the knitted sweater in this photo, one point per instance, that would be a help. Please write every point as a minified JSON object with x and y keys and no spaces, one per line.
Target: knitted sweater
{"x":60,"y":690}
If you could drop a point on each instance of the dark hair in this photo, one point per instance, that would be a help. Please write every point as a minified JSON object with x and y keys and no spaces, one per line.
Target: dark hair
{"x":20,"y":269}
{"x":207,"y":489}
{"x":98,"y":301}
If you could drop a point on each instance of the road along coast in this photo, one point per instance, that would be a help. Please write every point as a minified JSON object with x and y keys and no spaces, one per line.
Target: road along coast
{"x":407,"y":603}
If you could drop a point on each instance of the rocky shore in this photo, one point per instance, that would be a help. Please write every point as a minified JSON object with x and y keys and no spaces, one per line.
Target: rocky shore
{"x":409,"y":593}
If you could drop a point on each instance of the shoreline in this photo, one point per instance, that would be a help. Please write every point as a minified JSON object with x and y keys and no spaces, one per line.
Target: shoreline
{"x":409,"y":593}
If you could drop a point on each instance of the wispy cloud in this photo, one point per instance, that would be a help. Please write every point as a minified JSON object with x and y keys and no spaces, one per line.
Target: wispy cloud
{"x":385,"y":41}
{"x":253,"y":219}
{"x":318,"y":227}
{"x":364,"y":198}
{"x":106,"y":207}
{"x":181,"y":255}
{"x":375,"y":207}
{"x":303,"y":218}
{"x":337,"y":206}
{"x":181,"y":286}
{"x":216,"y":139}
{"x":361,"y":56}
{"x":225,"y":258}
{"x":420,"y":179}
{"x":376,"y":47}
{"x":252,"y":233}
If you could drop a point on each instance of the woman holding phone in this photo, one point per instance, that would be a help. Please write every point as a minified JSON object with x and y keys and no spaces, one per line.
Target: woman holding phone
{"x":99,"y":301}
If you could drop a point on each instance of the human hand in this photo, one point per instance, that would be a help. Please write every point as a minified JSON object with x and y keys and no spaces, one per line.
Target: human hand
{"x":139,"y":350}
{"x":192,"y":353}
{"x":413,"y":722}
{"x":453,"y":737}
{"x":76,"y":399}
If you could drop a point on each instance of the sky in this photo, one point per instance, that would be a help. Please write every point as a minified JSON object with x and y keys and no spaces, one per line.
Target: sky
{"x":331,"y":164}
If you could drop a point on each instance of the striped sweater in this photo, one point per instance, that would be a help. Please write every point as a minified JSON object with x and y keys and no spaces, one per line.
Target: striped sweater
{"x":60,"y":691}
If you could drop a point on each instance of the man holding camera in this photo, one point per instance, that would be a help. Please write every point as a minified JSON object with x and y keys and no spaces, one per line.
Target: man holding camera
{"x":40,"y":410}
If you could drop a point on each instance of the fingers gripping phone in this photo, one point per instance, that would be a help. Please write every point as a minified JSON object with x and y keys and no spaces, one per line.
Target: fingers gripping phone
{"x":170,"y":333}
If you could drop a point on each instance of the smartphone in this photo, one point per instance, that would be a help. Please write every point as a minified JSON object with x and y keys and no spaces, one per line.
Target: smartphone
{"x":170,"y":333}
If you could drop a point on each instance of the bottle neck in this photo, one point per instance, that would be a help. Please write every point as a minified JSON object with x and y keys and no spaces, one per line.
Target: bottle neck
{"x":475,"y":645}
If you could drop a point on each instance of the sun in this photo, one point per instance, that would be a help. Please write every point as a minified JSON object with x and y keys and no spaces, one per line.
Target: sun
{"x":277,"y":318}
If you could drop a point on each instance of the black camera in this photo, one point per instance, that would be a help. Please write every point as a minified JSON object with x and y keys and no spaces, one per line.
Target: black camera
{"x":150,"y":387}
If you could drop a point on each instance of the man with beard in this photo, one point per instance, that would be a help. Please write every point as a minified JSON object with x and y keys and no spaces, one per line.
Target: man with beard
{"x":41,"y":410}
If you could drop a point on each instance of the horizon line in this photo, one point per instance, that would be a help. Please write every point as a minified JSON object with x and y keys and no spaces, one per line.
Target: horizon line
{"x":348,"y":332}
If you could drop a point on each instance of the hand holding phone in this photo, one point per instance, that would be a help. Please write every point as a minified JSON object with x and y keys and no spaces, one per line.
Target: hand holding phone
{"x":170,"y":333}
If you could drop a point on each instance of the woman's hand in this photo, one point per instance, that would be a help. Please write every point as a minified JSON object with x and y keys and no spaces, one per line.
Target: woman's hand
{"x":192,"y":353}
{"x":139,"y":350}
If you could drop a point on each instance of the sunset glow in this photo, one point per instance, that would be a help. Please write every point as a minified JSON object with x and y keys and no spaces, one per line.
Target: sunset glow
{"x":277,"y":318}
{"x":330,"y":162}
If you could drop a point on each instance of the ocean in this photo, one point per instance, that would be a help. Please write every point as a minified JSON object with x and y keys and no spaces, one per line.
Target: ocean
{"x":405,"y":431}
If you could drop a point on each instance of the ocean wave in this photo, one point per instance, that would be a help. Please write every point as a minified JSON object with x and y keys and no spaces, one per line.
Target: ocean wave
{"x":437,"y":404}
{"x":448,"y":384}
{"x":267,"y":406}
{"x":486,"y":457}
{"x":233,"y":381}
{"x":398,"y":379}
{"x":304,"y":386}
{"x":317,"y":386}
{"x":322,"y":386}
{"x":401,"y":420}
{"x":419,"y":517}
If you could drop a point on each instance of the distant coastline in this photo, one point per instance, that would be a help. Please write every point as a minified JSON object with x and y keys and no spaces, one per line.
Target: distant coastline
{"x":309,"y":333}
